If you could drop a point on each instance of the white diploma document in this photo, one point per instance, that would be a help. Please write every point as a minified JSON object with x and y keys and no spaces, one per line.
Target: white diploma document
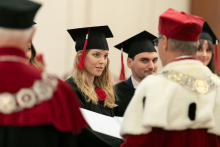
{"x":103,"y":124}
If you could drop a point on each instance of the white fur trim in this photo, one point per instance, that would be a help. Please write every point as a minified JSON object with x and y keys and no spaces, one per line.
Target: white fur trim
{"x":167,"y":103}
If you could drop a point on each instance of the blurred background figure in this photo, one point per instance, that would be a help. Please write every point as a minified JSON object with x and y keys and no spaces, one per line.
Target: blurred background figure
{"x":40,"y":61}
{"x":31,"y":54}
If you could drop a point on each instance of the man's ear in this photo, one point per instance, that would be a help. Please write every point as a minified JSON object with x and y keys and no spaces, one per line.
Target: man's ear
{"x":129,"y":62}
{"x":165,"y":43}
{"x":32,"y":35}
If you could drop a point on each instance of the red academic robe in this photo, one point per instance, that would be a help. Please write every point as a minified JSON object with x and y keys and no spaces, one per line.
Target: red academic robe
{"x":162,"y":138}
{"x":60,"y":110}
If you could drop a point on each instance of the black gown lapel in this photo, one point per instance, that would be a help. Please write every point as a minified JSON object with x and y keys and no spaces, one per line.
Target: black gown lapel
{"x":129,"y":82}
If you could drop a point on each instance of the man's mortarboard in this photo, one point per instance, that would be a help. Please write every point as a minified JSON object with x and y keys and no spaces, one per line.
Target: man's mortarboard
{"x":208,"y":34}
{"x":90,"y":38}
{"x":17,"y":14}
{"x":142,"y":42}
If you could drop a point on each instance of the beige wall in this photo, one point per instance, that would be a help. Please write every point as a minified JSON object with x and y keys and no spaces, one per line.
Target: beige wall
{"x":125,"y":18}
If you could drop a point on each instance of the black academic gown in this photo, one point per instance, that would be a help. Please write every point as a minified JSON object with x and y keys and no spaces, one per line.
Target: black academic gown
{"x":88,"y":137}
{"x":99,"y":108}
{"x":124,"y":92}
{"x":35,"y":136}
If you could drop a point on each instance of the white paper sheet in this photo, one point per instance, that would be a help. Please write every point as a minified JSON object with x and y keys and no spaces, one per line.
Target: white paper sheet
{"x":101,"y":123}
{"x":118,"y":119}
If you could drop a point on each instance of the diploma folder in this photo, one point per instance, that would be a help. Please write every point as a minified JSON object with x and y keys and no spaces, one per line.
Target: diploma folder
{"x":102,"y":123}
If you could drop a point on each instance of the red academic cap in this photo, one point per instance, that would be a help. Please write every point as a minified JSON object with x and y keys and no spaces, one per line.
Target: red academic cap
{"x":180,"y":25}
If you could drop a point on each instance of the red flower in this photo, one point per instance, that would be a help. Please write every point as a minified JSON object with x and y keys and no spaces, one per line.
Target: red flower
{"x":101,"y":94}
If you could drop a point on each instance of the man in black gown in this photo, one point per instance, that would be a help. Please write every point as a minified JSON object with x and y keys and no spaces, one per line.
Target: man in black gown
{"x":36,"y":109}
{"x":142,"y":60}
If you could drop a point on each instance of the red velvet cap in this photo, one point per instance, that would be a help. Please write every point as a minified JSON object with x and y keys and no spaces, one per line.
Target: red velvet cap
{"x":180,"y":25}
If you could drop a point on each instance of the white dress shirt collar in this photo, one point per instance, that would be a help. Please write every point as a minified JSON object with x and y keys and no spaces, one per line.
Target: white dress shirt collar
{"x":134,"y":82}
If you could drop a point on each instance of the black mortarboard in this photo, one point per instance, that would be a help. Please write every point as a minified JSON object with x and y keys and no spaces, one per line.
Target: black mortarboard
{"x":142,"y":42}
{"x":208,"y":34}
{"x":96,"y":38}
{"x":17,"y":14}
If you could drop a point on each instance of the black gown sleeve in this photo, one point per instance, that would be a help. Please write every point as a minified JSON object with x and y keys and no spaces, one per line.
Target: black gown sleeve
{"x":90,"y":138}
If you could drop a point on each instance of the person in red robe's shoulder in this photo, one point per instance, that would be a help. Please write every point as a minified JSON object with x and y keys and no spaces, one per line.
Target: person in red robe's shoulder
{"x":36,"y":108}
{"x":178,"y":107}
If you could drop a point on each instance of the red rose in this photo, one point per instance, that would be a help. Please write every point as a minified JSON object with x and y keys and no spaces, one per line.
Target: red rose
{"x":101,"y":94}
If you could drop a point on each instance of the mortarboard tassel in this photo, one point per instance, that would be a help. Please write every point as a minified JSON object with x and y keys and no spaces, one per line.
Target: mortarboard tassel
{"x":216,"y":55}
{"x":122,"y":74}
{"x":80,"y":65}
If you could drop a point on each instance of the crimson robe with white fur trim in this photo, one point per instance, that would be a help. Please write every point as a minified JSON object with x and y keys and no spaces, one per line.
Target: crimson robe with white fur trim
{"x":36,"y":109}
{"x":167,"y":103}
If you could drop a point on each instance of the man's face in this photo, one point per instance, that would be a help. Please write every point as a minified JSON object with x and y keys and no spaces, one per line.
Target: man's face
{"x":143,"y":65}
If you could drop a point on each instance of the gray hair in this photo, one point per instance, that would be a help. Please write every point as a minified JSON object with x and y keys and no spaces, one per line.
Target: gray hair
{"x":15,"y":35}
{"x":183,"y":47}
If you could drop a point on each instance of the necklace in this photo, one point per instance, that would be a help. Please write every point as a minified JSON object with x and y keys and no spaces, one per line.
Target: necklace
{"x":13,"y":59}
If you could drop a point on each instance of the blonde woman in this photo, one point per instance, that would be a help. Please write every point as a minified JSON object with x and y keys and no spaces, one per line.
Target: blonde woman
{"x":91,"y":78}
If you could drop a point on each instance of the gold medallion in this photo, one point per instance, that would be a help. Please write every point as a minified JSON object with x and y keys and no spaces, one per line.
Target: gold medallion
{"x":201,"y":86}
{"x":178,"y":77}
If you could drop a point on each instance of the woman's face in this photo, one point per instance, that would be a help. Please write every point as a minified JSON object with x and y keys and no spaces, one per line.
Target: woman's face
{"x":204,"y":54}
{"x":95,"y":61}
{"x":28,"y":52}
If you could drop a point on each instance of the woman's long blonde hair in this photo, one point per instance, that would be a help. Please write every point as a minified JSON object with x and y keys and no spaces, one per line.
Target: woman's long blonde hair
{"x":104,"y":81}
